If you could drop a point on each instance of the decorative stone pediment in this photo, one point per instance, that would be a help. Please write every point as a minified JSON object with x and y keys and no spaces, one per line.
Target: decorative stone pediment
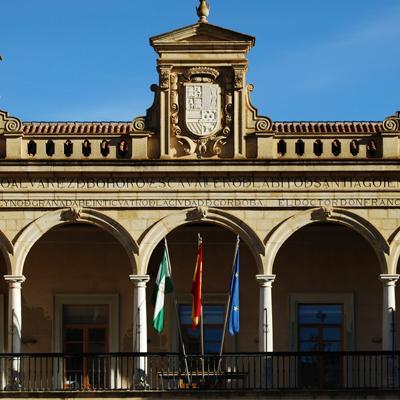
{"x":202,"y":32}
{"x":202,"y":105}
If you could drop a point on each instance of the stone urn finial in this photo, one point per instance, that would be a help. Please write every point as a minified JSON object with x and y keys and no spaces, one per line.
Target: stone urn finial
{"x":203,"y":11}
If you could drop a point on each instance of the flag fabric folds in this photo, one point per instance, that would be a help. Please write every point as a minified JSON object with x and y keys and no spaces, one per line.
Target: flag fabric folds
{"x":196,"y":286}
{"x":163,"y":286}
{"x":234,"y":310}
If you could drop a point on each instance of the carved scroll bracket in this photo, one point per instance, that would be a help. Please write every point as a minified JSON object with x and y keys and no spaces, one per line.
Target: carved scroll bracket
{"x":255,"y":123}
{"x":9,"y":124}
{"x":392,"y":123}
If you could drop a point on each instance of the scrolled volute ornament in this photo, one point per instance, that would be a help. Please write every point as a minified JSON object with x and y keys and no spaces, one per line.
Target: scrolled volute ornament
{"x":139,"y":124}
{"x":263,"y":125}
{"x":9,"y":124}
{"x":392,"y":123}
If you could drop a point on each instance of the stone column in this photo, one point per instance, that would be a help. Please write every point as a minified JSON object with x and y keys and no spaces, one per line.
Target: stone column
{"x":389,"y":311}
{"x":14,"y":324}
{"x":14,"y":312}
{"x":265,"y":314}
{"x":140,"y":323}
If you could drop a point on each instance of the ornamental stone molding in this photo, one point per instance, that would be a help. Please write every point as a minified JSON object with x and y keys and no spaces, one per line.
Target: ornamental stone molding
{"x":9,"y":124}
{"x":389,"y":279}
{"x":14,"y":279}
{"x":392,"y":124}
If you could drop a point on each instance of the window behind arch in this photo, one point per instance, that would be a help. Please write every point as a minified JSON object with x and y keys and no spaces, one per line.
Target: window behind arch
{"x":213,"y":325}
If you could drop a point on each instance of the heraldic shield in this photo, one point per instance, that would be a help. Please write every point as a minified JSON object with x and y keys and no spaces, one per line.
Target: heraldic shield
{"x":203,"y":108}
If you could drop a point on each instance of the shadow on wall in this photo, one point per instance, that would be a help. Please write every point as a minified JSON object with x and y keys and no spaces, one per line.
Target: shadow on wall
{"x":38,"y":340}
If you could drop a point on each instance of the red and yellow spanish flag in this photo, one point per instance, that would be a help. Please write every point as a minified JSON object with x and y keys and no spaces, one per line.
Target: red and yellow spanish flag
{"x":196,"y":286}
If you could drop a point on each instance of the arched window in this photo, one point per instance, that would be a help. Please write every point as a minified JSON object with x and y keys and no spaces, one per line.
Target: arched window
{"x":86,"y":148}
{"x":336,"y":147}
{"x":299,"y":147}
{"x":318,"y":147}
{"x":50,"y":148}
{"x":105,"y":148}
{"x":68,"y":148}
{"x":354,"y":147}
{"x":32,"y":148}
{"x":282,"y":147}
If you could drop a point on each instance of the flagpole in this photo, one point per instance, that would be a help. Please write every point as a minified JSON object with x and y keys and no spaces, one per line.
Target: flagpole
{"x":228,"y":306}
{"x":200,"y":240}
{"x":177,"y":317}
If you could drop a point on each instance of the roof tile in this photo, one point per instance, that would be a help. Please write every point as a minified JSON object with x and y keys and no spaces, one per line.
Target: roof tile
{"x":93,"y":128}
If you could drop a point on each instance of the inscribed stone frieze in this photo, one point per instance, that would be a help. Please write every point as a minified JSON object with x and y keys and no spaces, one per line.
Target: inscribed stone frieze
{"x":203,"y":183}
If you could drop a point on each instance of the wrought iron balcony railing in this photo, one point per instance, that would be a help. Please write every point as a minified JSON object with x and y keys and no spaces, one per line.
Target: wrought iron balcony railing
{"x":341,"y":371}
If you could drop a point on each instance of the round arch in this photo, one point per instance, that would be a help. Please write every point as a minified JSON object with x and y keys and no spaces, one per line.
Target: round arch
{"x":336,"y":216}
{"x":7,"y":250}
{"x":394,"y":252}
{"x":200,"y":215}
{"x":36,"y":229}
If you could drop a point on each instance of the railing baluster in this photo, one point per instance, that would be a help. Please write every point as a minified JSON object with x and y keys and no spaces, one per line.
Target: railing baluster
{"x":349,"y":371}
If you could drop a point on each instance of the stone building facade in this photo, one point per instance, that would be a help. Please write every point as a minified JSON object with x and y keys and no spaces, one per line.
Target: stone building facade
{"x":85,"y":207}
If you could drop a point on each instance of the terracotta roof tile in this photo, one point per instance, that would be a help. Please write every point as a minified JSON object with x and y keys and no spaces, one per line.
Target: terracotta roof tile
{"x":76,"y":128}
{"x":121,"y":128}
{"x":367,"y":127}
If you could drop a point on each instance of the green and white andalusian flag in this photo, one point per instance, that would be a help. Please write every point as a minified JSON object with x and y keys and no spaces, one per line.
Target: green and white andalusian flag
{"x":163,"y":286}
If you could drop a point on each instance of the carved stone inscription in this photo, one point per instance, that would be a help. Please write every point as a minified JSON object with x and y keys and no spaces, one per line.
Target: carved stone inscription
{"x":113,"y":203}
{"x":244,"y":183}
{"x":203,"y":191}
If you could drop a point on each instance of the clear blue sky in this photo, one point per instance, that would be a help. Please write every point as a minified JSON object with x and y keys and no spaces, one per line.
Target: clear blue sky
{"x":91,"y":59}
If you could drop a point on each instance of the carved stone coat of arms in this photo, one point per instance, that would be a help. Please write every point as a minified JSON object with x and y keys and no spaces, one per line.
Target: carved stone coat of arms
{"x":203,"y":108}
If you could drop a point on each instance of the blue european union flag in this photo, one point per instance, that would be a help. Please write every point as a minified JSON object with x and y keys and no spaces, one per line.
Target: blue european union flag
{"x":234,"y":311}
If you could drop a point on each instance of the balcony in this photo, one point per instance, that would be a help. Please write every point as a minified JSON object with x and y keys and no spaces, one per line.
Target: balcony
{"x":342,"y":372}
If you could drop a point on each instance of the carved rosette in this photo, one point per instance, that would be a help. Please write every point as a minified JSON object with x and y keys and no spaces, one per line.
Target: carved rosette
{"x":9,"y":124}
{"x":203,"y":125}
{"x":392,"y":123}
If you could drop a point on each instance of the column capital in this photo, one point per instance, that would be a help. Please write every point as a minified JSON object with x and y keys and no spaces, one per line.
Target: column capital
{"x":389,"y":279}
{"x":139,"y":280}
{"x":14,"y":278}
{"x":265,"y":280}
